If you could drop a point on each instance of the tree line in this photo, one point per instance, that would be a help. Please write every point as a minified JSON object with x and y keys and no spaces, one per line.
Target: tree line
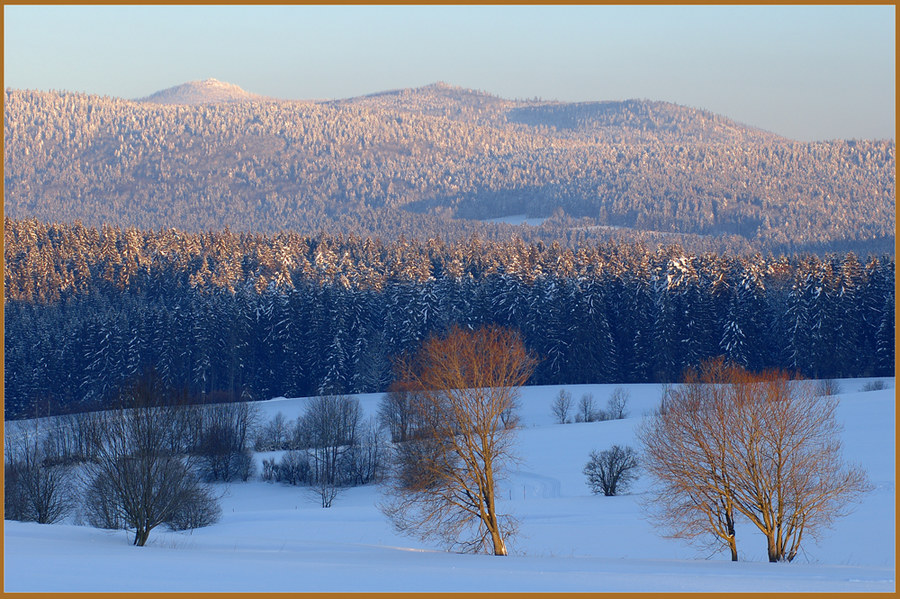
{"x":231,"y":317}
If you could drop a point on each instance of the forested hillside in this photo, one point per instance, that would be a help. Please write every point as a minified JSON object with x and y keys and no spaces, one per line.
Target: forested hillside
{"x":430,"y":162}
{"x":231,"y":315}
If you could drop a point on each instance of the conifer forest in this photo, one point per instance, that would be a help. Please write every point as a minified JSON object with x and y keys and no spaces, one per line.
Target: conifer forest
{"x":237,"y":316}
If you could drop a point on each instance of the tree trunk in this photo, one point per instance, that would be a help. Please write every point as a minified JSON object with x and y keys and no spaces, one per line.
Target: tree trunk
{"x":492,"y":521}
{"x":499,"y":544}
{"x":140,"y":537}
{"x":772,"y":547}
{"x":494,"y":526}
{"x":732,"y":541}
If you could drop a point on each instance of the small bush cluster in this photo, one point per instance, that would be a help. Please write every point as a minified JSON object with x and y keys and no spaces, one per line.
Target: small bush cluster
{"x":359,"y":465}
{"x":293,"y":468}
{"x":223,"y":439}
{"x":37,"y":486}
{"x":828,"y":387}
{"x":328,"y":447}
{"x":874,"y":386}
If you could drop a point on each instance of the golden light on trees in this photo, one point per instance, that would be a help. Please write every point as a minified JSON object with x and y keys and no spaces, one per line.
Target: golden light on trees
{"x":728,"y":444}
{"x":464,"y":387}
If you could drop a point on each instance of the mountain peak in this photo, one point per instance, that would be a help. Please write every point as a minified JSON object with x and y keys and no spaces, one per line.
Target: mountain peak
{"x":442,"y":85}
{"x":207,"y":91}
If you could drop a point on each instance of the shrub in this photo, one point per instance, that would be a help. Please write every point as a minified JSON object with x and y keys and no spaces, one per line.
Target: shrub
{"x":874,"y":386}
{"x":37,"y":488}
{"x":828,"y":387}
{"x":198,"y":509}
{"x":612,"y":471}
{"x":294,"y":468}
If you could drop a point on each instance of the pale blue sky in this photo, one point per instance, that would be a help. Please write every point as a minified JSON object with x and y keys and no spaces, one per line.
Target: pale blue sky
{"x":817,"y":72}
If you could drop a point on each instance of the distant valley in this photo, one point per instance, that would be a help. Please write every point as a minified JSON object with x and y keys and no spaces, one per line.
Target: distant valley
{"x":441,"y":161}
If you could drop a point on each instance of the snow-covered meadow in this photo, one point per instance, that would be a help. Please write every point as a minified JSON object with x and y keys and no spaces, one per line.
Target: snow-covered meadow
{"x":273,"y":537}
{"x":517,"y":219}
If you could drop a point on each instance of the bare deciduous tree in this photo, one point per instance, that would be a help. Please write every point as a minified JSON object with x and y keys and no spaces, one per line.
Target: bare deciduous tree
{"x":273,"y":435}
{"x":587,"y":411}
{"x":617,"y":404}
{"x":611,"y":471}
{"x":793,"y":482}
{"x":685,"y":449}
{"x":366,"y":458}
{"x":71,"y":437}
{"x":37,"y":485}
{"x":395,"y":412}
{"x":763,"y":447}
{"x":330,"y":427}
{"x":443,"y":484}
{"x":561,"y":406}
{"x":135,"y":481}
{"x":223,"y":446}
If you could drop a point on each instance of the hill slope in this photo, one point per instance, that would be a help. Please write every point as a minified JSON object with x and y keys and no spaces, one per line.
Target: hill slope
{"x":432,"y":161}
{"x":275,"y":538}
{"x":642,"y":119}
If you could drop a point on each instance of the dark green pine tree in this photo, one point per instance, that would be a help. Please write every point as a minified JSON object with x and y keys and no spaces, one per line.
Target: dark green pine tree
{"x":885,"y":340}
{"x":734,"y":342}
{"x":849,"y":323}
{"x":677,"y":343}
{"x":707,"y":311}
{"x":829,"y":322}
{"x":744,"y":338}
{"x":335,"y":334}
{"x":18,"y":344}
{"x":800,"y":309}
{"x":507,"y":300}
{"x":201,"y":351}
{"x":817,"y":322}
{"x":548,"y":327}
{"x":298,"y":331}
{"x":265,"y":360}
{"x":872,"y":296}
{"x":593,"y":354}
{"x":369,"y":367}
{"x":106,"y":358}
{"x":631,"y":315}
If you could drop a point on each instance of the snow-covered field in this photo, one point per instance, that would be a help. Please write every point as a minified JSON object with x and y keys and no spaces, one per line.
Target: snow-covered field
{"x":517,"y":219}
{"x":276,"y":538}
